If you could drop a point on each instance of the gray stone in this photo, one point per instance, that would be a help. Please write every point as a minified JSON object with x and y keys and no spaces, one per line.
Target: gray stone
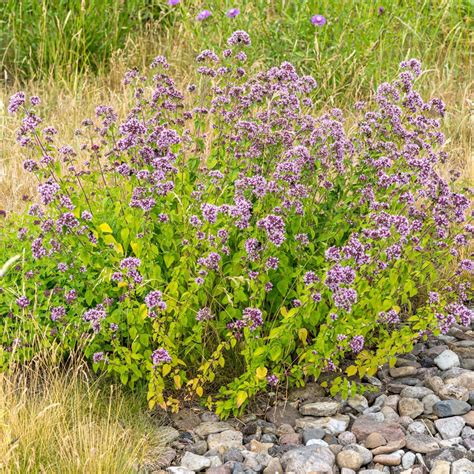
{"x":194,"y":462}
{"x":367,"y":456}
{"x":199,"y":447}
{"x":225,"y":440}
{"x":316,"y":442}
{"x":274,"y":467}
{"x":332,"y":425}
{"x":421,"y":443}
{"x":179,"y":470}
{"x":397,"y":372}
{"x":323,"y":407}
{"x":233,"y":455}
{"x":410,"y":407}
{"x":417,"y":427}
{"x":462,"y":466}
{"x":309,"y":459}
{"x":450,"y":427}
{"x":313,"y":433}
{"x":389,"y":414}
{"x":283,"y":413}
{"x":350,"y":459}
{"x":358,"y":403}
{"x":408,"y":459}
{"x":445,"y":408}
{"x":186,"y":419}
{"x":428,"y":403}
{"x":416,"y":392}
{"x":447,"y":360}
{"x":441,"y":467}
{"x":392,"y":401}
{"x":211,"y":427}
{"x":346,"y":437}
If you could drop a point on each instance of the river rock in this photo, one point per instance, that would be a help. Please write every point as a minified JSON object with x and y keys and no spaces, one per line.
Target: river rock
{"x":322,"y":407}
{"x":397,"y":372}
{"x":211,"y":427}
{"x":416,"y":392}
{"x":447,"y":360}
{"x":273,"y":467}
{"x":441,"y":467}
{"x":374,"y":440}
{"x":350,"y":459}
{"x":450,"y":427}
{"x":225,"y":440}
{"x":364,"y":425}
{"x":358,"y":403}
{"x":393,"y":459}
{"x":408,"y":459}
{"x":283,"y":413}
{"x":194,"y":462}
{"x":390,"y":447}
{"x":367,"y":456}
{"x":421,"y":443}
{"x":462,"y":466}
{"x":332,"y":425}
{"x":410,"y":407}
{"x":446,"y":408}
{"x":309,"y":459}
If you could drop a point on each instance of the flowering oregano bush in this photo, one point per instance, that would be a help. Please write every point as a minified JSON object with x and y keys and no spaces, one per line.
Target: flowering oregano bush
{"x":230,"y":225}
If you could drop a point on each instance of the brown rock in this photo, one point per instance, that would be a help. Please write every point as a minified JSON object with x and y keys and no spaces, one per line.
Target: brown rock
{"x":388,"y":459}
{"x":410,"y":407}
{"x":390,"y":448}
{"x":397,"y":372}
{"x":283,"y":413}
{"x":469,"y":418}
{"x":421,"y":443}
{"x":290,"y":438}
{"x":185,"y":420}
{"x":257,"y":447}
{"x":374,"y":440}
{"x":365,"y":425}
{"x":465,"y":380}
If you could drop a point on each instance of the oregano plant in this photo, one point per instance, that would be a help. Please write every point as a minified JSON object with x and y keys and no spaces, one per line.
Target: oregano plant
{"x":232,"y":236}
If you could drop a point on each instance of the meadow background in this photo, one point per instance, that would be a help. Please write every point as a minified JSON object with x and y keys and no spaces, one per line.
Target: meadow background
{"x":74,"y":55}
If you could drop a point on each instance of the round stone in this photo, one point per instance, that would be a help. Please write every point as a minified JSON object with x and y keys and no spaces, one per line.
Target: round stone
{"x":346,"y":437}
{"x":350,"y":459}
{"x":410,"y":407}
{"x":447,"y":360}
{"x":446,"y":408}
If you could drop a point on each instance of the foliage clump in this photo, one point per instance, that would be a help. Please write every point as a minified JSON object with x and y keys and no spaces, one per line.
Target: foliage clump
{"x":231,"y":225}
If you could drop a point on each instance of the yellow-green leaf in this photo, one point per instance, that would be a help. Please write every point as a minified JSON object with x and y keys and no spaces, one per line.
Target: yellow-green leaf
{"x":261,"y":373}
{"x":105,"y":228}
{"x":241,"y":397}
{"x":199,"y":391}
{"x":303,"y":335}
{"x":351,"y":370}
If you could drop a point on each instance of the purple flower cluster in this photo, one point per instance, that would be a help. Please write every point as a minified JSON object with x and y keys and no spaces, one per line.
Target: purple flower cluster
{"x":160,"y":356}
{"x":154,"y":299}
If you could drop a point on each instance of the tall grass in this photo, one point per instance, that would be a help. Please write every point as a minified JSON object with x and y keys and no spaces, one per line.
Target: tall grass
{"x":67,"y":38}
{"x":61,"y":420}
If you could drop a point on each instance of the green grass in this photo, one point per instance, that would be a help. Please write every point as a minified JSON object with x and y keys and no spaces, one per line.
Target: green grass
{"x":357,"y":48}
{"x":65,"y":37}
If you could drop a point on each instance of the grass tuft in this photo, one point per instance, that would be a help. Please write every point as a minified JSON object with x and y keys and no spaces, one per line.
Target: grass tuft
{"x":60,"y":419}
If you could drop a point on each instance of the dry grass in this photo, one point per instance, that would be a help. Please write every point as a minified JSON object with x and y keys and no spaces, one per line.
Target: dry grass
{"x":58,"y":420}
